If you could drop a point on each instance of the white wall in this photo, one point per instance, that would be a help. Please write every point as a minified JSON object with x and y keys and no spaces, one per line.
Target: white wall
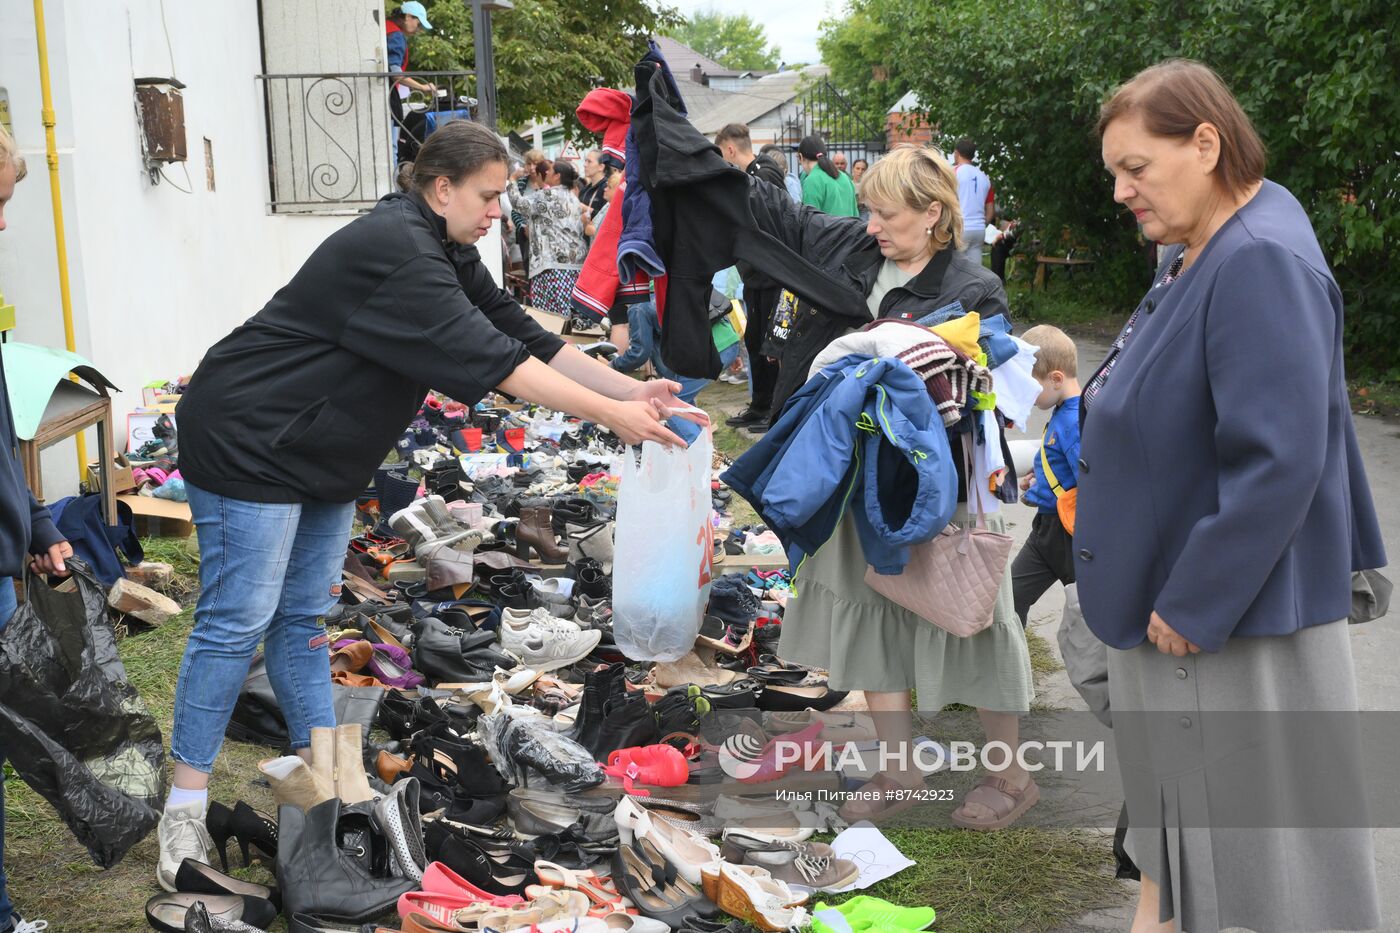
{"x":158,"y":275}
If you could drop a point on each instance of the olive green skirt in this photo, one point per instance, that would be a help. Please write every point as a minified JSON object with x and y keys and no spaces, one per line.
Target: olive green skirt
{"x":835,"y":621}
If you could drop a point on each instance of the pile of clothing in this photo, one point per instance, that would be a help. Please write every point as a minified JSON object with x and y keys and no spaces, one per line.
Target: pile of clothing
{"x":500,"y":763}
{"x":873,"y":429}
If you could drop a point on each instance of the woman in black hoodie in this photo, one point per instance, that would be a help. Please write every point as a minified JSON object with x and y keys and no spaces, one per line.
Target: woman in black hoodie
{"x":287,"y":418}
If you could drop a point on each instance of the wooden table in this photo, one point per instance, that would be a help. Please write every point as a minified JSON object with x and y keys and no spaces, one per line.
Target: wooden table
{"x":73,"y":408}
{"x":1043,"y":264}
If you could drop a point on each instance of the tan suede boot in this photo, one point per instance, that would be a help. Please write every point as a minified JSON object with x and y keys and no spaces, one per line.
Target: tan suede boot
{"x":323,"y":755}
{"x":293,"y":782}
{"x":351,"y":784}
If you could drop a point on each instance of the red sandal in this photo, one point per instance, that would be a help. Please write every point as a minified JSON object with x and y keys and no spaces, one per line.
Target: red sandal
{"x":657,"y":765}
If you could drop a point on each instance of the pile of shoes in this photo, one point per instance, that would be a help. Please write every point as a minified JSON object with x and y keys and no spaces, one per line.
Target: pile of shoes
{"x":503,"y":765}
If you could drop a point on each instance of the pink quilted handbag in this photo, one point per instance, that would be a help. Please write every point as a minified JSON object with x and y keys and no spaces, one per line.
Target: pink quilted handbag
{"x":952,"y":580}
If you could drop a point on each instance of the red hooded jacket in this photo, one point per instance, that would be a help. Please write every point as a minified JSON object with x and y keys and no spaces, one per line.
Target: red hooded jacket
{"x":608,"y":112}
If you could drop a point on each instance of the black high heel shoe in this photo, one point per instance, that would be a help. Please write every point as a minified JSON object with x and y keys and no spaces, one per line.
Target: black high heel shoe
{"x":198,"y":878}
{"x":256,"y":830}
{"x":219,"y":822}
{"x":500,"y":870}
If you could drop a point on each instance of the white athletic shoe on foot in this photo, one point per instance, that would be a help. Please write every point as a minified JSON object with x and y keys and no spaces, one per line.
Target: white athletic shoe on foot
{"x":22,"y":925}
{"x":182,"y":835}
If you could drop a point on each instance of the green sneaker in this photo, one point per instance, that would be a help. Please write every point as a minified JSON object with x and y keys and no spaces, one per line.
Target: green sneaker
{"x":865,"y":913}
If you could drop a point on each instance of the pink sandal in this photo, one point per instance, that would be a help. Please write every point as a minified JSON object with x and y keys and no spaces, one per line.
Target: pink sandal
{"x":1006,"y":801}
{"x":657,"y":765}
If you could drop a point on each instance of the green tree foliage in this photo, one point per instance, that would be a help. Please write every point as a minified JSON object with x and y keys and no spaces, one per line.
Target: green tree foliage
{"x":1319,"y":78}
{"x":736,"y":42}
{"x":546,"y":51}
{"x":857,"y":47}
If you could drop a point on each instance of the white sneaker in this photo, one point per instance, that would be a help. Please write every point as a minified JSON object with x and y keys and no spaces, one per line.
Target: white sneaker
{"x":519,"y":620}
{"x":182,"y":835}
{"x":29,"y":926}
{"x":544,"y":647}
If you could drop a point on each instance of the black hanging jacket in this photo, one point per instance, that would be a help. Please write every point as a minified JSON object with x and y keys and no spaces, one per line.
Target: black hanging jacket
{"x":303,"y":400}
{"x":702,"y":222}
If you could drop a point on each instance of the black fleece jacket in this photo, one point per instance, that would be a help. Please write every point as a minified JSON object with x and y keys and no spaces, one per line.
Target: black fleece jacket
{"x":302,"y":401}
{"x":702,"y":222}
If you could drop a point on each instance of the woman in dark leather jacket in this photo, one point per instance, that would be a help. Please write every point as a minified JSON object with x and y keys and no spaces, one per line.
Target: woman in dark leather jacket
{"x":847,"y":247}
{"x":904,"y":261}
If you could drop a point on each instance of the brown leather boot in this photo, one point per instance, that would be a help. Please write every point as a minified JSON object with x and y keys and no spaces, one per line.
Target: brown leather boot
{"x":536,"y":530}
{"x":391,"y":767}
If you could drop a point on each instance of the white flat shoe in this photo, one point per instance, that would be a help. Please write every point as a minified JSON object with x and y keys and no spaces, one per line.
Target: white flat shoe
{"x":689,"y":853}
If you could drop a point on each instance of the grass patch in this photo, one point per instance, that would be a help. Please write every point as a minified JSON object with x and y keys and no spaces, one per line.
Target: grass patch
{"x":1018,"y":879}
{"x":1075,"y":303}
{"x":1043,"y":658}
{"x":1370,"y":397}
{"x":182,"y":554}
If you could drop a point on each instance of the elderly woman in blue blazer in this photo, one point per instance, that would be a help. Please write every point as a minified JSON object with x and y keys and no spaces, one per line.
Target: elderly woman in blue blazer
{"x":1222,"y":508}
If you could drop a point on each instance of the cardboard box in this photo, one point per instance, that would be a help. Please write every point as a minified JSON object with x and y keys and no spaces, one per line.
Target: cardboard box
{"x":555,"y":324}
{"x":140,"y":425}
{"x":122,"y":480}
{"x":160,"y":517}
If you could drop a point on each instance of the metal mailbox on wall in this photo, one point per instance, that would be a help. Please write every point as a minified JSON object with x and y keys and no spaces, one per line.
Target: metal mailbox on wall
{"x":161,"y":106}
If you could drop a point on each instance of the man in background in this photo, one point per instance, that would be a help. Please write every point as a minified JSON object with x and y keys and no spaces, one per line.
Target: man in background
{"x":760,"y":292}
{"x":973,"y":188}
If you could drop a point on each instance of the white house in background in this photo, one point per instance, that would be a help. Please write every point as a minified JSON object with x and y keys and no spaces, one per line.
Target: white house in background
{"x":165,"y":258}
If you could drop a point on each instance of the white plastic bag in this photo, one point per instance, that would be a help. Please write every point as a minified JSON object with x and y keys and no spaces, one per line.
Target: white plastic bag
{"x":663,"y":550}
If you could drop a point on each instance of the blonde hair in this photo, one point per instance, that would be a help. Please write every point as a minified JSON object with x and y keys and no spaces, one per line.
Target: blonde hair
{"x":917,"y":177}
{"x":1056,"y":351}
{"x":9,"y":155}
{"x":533,"y":157}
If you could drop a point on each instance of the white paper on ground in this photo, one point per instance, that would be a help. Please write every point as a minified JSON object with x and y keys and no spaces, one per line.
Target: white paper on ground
{"x":875,"y":855}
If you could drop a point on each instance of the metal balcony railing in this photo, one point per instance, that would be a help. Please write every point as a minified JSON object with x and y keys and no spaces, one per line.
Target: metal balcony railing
{"x":331,"y":143}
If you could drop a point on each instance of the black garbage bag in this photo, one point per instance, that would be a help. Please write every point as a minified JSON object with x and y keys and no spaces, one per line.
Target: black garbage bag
{"x":73,"y":727}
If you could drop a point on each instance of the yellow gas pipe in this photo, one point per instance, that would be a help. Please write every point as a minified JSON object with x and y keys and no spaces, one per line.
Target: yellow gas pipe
{"x":60,"y":240}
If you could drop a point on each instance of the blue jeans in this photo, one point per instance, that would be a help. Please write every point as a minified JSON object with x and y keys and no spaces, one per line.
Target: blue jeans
{"x":643,"y":334}
{"x":643,"y":345}
{"x":268,"y":572}
{"x":8,"y":605}
{"x":688,"y":431}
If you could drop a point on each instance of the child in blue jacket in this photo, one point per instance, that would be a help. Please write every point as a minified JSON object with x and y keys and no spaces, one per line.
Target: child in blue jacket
{"x":1048,"y":554}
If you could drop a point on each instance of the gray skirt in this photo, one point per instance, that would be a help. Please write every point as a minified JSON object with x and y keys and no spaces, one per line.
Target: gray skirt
{"x":866,"y":642}
{"x":1181,"y":769}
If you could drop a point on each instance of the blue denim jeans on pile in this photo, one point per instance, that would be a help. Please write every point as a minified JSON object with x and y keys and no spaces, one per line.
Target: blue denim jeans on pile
{"x":268,"y":572}
{"x":7,"y":609}
{"x":644,"y":344}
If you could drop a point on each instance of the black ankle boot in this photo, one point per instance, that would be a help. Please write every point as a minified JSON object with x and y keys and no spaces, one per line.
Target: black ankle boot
{"x":577,"y":510}
{"x":627,"y":722}
{"x":333,"y":859}
{"x":590,"y":711}
{"x":591,"y":581}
